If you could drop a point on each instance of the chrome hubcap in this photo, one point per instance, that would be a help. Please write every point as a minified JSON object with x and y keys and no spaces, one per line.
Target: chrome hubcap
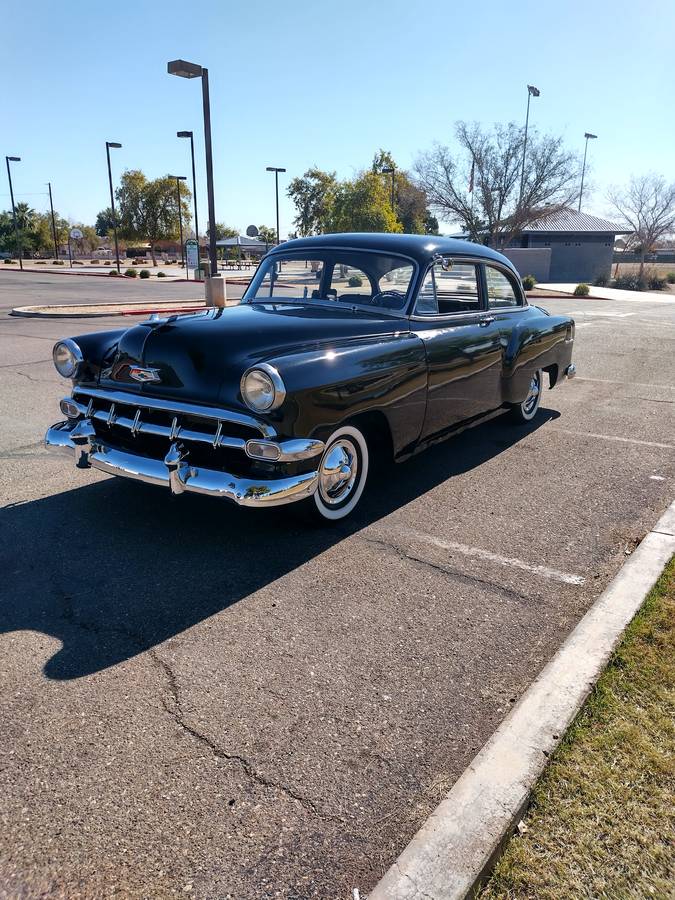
{"x":339,"y":469}
{"x":532,"y":398}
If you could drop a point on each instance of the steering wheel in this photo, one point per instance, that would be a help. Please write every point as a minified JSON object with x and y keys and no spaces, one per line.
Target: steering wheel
{"x":380,"y":299}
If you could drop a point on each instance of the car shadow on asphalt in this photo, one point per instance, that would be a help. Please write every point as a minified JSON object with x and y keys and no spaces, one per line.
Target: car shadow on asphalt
{"x":115,"y":568}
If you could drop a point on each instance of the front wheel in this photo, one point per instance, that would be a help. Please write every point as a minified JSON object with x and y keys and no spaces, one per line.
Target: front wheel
{"x":343,"y":471}
{"x":527,"y":410}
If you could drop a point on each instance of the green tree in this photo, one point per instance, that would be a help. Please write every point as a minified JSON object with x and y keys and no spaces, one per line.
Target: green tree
{"x":411,"y":204}
{"x":105,"y":222}
{"x":313,"y":195}
{"x":223,"y":232}
{"x":267,"y":235}
{"x":363,"y":204}
{"x":148,"y":210}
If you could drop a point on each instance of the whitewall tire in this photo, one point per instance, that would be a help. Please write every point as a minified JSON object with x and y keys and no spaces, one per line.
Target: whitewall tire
{"x":343,"y":471}
{"x":528,"y":409}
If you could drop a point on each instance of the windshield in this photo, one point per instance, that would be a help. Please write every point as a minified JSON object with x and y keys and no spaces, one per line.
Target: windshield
{"x":353,"y":277}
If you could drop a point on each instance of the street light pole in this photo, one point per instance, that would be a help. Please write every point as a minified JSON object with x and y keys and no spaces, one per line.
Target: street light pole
{"x":588,"y":137}
{"x":185,"y":134}
{"x":191,"y":70}
{"x":115,"y":146}
{"x":51,"y":207}
{"x":532,"y":91}
{"x":180,"y":178}
{"x":276,"y":171}
{"x":8,"y":160}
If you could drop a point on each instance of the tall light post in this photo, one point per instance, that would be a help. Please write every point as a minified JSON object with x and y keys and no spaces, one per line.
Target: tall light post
{"x":589,"y":137}
{"x":180,"y":178}
{"x":532,"y":91}
{"x":391,"y":170}
{"x":188,"y":134}
{"x":115,"y":146}
{"x":51,"y":207}
{"x":8,"y":160}
{"x":191,"y":70}
{"x":276,"y":171}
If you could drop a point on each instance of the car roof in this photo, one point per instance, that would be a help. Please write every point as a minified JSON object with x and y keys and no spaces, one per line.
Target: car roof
{"x":421,"y":247}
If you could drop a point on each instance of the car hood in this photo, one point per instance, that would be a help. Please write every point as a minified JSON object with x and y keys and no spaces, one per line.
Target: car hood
{"x":201,"y":357}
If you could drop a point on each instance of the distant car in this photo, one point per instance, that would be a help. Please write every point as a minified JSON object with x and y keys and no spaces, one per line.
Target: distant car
{"x":344,"y":347}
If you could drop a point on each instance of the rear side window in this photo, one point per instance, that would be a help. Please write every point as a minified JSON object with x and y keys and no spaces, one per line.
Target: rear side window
{"x":448,"y":288}
{"x":501,"y":290}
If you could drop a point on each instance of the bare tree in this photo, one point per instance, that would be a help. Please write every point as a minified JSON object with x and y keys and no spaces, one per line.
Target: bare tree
{"x":647,"y":205}
{"x":479,"y":185}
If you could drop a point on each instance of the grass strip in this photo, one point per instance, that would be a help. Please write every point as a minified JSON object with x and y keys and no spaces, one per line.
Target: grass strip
{"x":602,"y":820}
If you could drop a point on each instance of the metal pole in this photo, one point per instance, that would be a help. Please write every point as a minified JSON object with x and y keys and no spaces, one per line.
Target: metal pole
{"x":276,"y":182}
{"x":16,"y":227}
{"x":522,"y":171}
{"x":194,"y":191}
{"x":112,"y":207}
{"x":393,"y":186}
{"x":583,"y":172}
{"x":180,"y":224}
{"x":209,"y":172}
{"x":51,"y":206}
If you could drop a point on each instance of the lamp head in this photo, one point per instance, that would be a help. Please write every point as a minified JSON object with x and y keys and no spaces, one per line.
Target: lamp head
{"x":531,"y":89}
{"x":588,"y":135}
{"x":184,"y":134}
{"x":13,"y":158}
{"x":113,"y":144}
{"x":184,"y":69}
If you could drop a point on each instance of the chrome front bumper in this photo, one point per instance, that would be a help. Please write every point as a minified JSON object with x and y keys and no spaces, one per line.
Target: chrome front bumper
{"x":175,"y":472}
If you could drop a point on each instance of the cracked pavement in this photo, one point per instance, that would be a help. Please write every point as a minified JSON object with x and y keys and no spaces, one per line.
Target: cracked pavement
{"x":211,"y":702}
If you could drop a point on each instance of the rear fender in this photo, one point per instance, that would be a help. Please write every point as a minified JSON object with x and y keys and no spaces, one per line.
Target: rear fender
{"x":540,"y":341}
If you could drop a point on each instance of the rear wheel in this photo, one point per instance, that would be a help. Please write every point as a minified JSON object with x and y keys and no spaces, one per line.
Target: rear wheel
{"x":343,"y":471}
{"x":527,"y":410}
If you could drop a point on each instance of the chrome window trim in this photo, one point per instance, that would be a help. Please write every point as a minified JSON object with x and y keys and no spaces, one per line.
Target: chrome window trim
{"x":176,"y":406}
{"x":512,"y":278}
{"x":460,"y":260}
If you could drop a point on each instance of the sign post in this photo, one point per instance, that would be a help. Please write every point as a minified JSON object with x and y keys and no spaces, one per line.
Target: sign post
{"x":192,"y":258}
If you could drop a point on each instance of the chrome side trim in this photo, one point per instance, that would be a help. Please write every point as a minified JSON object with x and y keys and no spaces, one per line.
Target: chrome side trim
{"x":176,"y":473}
{"x":177,"y":407}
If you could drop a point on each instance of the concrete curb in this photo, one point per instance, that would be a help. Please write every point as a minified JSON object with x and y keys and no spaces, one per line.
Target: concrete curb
{"x":461,"y":840}
{"x":94,"y":310}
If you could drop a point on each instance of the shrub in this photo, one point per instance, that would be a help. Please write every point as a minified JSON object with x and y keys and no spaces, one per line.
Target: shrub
{"x":40,"y":262}
{"x":113,"y":273}
{"x":161,"y":274}
{"x":355,"y":281}
{"x":93,"y":262}
{"x":582,"y":290}
{"x":9,"y":262}
{"x":670,"y":277}
{"x":630,"y":282}
{"x":144,"y":273}
{"x":107,"y":262}
{"x":655,"y":282}
{"x":78,"y":262}
{"x":529,"y":282}
{"x":601,"y":281}
{"x":131,"y":273}
{"x":59,"y":262}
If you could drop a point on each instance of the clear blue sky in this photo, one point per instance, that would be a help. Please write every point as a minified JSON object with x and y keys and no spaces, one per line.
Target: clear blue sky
{"x":305,"y":83}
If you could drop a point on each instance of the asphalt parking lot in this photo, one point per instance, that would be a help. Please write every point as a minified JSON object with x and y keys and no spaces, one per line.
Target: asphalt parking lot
{"x":204,"y":701}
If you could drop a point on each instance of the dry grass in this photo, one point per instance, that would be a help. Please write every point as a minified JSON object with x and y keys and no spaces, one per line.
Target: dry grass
{"x":602,"y":823}
{"x":660,"y":269}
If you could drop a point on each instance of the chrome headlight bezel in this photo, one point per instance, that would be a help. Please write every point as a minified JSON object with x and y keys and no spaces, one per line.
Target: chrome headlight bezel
{"x":71,"y":363}
{"x":271,"y":376}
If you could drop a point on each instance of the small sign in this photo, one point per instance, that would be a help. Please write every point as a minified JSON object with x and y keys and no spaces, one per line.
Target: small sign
{"x":76,"y":234}
{"x":252,"y":231}
{"x":192,"y":253}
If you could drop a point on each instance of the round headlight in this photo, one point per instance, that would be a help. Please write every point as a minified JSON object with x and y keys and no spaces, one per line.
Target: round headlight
{"x":67,"y":358}
{"x":262,"y":388}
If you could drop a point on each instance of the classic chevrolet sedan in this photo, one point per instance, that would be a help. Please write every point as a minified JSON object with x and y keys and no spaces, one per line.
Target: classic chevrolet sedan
{"x":344,"y":348}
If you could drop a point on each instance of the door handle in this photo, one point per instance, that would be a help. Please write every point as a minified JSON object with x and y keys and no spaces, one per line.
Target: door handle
{"x":486,"y":320}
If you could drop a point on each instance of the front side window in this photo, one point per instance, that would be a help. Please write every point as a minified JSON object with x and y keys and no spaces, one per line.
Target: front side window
{"x":501,"y":291}
{"x":352,"y":277}
{"x":448,"y":287}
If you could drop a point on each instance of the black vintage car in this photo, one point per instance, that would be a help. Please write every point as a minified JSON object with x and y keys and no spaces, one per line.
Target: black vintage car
{"x":343,"y":347}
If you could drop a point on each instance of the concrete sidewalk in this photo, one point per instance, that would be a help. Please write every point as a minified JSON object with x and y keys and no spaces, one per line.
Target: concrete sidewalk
{"x":614,"y":294}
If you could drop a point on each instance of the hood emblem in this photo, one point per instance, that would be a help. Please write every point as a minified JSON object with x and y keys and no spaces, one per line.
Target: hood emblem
{"x":143,"y":374}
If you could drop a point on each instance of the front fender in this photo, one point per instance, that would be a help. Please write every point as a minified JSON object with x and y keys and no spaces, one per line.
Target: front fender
{"x":386,"y":374}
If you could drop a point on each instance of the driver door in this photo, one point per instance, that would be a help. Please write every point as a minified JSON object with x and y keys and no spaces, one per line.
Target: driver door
{"x":463,"y":345}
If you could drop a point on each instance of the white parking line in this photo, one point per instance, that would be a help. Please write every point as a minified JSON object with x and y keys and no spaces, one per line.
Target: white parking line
{"x":479,"y":553}
{"x":613,"y":437}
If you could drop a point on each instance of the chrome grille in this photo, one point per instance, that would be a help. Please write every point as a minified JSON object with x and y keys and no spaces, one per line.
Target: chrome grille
{"x":143,"y":416}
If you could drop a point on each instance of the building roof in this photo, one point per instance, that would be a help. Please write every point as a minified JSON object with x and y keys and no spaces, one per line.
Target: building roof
{"x":421,"y":247}
{"x":246,"y":243}
{"x":569,"y":220}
